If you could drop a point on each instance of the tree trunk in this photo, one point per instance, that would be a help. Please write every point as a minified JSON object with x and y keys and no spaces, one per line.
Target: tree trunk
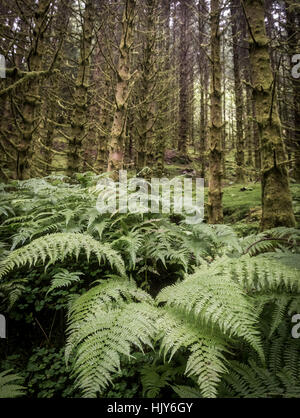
{"x":79,"y":118}
{"x":277,"y":207}
{"x":292,"y":28}
{"x":118,"y":130}
{"x":215,"y":210}
{"x":240,"y":159}
{"x":184,"y":72}
{"x":32,"y":99}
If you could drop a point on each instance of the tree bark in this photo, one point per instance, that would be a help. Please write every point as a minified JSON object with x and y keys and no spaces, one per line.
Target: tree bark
{"x":184,"y":72}
{"x":124,"y":76}
{"x":215,"y":209}
{"x":239,"y":158}
{"x":277,"y":207}
{"x":79,"y":117}
{"x":293,"y":32}
{"x":32,"y":99}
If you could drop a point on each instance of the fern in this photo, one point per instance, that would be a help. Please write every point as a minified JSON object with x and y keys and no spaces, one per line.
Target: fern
{"x":9,"y":388}
{"x":10,"y":292}
{"x":186,"y":392}
{"x":255,"y":381}
{"x":205,"y":359}
{"x":100,"y":332}
{"x":156,"y":377}
{"x":217,"y":301}
{"x":232,"y":296}
{"x":110,"y":318}
{"x":281,"y":237}
{"x":64,"y":278}
{"x":56,"y":247}
{"x":202,"y":316}
{"x":113,"y":317}
{"x":261,"y":273}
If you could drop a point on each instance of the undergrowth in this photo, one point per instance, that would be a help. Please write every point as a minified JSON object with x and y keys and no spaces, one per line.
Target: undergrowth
{"x":140,"y":304}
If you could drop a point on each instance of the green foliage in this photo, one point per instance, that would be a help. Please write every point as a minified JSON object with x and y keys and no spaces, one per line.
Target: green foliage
{"x":186,"y":392}
{"x":272,"y":239}
{"x":157,"y":376}
{"x":9,"y":388}
{"x":154,"y":306}
{"x":64,"y":278}
{"x":10,"y":292}
{"x":56,"y":247}
{"x":100,"y":329}
{"x":127,"y":382}
{"x":46,"y":375}
{"x":217,"y":302}
{"x":281,"y":377}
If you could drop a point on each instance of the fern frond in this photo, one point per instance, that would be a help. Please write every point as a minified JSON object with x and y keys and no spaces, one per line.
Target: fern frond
{"x":261,"y":273}
{"x":215,"y":300}
{"x":154,"y":379}
{"x":254,"y":381}
{"x":8,"y":386}
{"x":64,"y":278}
{"x":10,"y":292}
{"x":106,"y":332}
{"x":130,"y":243}
{"x":56,"y":247}
{"x":271,"y":239}
{"x":205,"y":360}
{"x":186,"y":392}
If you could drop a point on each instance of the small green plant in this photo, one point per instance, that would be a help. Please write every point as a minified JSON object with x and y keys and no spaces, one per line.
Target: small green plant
{"x":47,"y":376}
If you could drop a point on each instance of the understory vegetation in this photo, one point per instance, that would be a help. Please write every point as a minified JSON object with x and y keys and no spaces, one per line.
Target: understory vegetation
{"x":141,"y":304}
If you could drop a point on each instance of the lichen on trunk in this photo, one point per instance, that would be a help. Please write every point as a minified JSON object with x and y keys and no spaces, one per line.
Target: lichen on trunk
{"x":277,"y":207}
{"x":124,"y":76}
{"x":215,"y":210}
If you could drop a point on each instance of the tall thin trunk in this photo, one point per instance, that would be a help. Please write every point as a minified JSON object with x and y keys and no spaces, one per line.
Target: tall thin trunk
{"x":147,"y":92}
{"x":184,"y":72}
{"x":293,"y":32}
{"x":118,"y":130}
{"x":240,"y":159}
{"x":215,"y":209}
{"x":79,"y":118}
{"x":32,"y":99}
{"x":277,"y":207}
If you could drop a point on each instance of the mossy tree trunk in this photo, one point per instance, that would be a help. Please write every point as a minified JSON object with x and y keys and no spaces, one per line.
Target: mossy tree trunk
{"x":248,"y":116}
{"x":203,"y":66}
{"x":147,"y":89}
{"x":165,"y":90}
{"x":292,"y":26}
{"x":103,"y":92}
{"x":215,"y":209}
{"x":238,"y":90}
{"x":79,"y":118}
{"x":118,"y":130}
{"x":102,"y":114}
{"x":32,"y":101}
{"x":184,"y":78}
{"x":277,"y":207}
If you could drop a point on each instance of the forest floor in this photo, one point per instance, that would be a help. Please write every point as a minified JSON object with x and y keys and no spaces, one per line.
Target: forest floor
{"x":241,"y":202}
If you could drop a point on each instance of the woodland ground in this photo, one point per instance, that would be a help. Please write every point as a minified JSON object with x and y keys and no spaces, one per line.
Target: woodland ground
{"x":241,"y":202}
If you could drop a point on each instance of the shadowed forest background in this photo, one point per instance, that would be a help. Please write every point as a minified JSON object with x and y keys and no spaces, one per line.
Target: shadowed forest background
{"x":160,"y":88}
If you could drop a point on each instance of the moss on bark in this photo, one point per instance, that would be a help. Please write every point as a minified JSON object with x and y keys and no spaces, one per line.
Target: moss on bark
{"x":277,"y":207}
